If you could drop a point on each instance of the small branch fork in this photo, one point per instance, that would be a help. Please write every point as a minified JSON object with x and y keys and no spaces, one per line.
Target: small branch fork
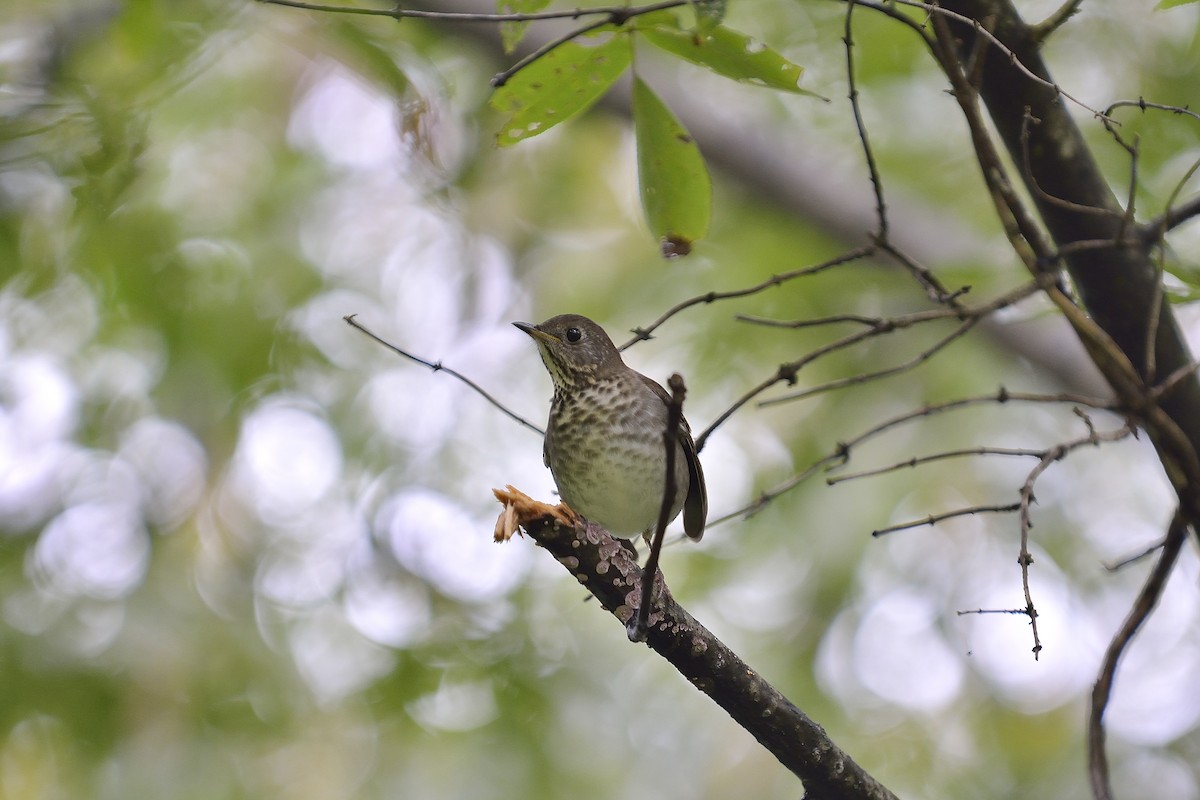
{"x":841,"y":454}
{"x":787,"y":372}
{"x":1045,"y":458}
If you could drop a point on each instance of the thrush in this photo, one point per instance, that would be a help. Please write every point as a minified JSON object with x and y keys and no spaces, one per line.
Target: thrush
{"x":604,"y":441}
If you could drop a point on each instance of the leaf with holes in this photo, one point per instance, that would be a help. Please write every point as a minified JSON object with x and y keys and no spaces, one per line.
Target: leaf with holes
{"x":730,"y":53}
{"x":675,"y":187}
{"x":566,"y":81}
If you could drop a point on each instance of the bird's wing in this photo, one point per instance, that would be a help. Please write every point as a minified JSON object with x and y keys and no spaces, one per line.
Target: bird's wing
{"x":695,"y":506}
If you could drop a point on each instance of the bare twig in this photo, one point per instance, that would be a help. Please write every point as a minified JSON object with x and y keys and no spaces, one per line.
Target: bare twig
{"x":935,"y":10}
{"x":609,"y":15}
{"x":933,"y":287}
{"x":1117,"y":566}
{"x":866,"y":377}
{"x":1169,"y":383}
{"x":1155,"y":230}
{"x":618,"y":12}
{"x":504,"y":76}
{"x":917,"y":461}
{"x":881,"y":233}
{"x":1025,"y":558}
{"x":437,"y":366}
{"x":841,"y":454}
{"x":934,"y":519}
{"x":787,"y":372}
{"x":1020,"y":226}
{"x":870,"y":322}
{"x":1021,"y":611}
{"x":1032,"y":181}
{"x":1022,"y":507}
{"x":1146,"y":601}
{"x":1144,"y":105}
{"x":644,"y":333}
{"x":1042,"y":31}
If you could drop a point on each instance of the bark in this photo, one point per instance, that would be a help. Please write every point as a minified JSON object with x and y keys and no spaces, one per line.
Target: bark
{"x":609,"y":571}
{"x":1119,"y":285}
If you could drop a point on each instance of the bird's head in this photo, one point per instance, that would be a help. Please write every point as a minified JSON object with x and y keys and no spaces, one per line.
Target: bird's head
{"x":575,"y":350}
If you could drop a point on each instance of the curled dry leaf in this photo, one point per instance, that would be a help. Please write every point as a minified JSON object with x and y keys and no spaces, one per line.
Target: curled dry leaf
{"x":520,"y":510}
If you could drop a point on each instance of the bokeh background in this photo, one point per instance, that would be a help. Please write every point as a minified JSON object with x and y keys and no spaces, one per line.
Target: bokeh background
{"x":246,"y":552}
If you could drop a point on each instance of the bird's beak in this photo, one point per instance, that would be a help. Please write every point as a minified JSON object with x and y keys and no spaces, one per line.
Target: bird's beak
{"x":536,"y":333}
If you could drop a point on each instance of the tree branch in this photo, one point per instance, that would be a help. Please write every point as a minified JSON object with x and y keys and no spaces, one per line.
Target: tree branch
{"x":1145,"y":603}
{"x":1118,"y":285}
{"x":608,"y":570}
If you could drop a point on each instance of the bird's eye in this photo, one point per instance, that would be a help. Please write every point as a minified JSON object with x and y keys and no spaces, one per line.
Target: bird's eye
{"x":574,"y":335}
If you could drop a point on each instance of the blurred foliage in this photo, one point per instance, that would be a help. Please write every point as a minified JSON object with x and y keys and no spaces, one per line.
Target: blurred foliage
{"x":246,"y":553}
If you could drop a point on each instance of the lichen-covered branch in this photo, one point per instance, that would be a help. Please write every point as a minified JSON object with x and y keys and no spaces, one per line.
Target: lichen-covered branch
{"x":609,"y":571}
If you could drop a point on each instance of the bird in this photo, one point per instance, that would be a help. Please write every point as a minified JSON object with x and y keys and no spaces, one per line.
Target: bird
{"x":604,"y":440}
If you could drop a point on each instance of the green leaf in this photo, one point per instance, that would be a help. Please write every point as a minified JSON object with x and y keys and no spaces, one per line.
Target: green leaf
{"x":730,"y":53}
{"x":1174,"y":3}
{"x":675,"y":187}
{"x":559,"y":85}
{"x":511,"y":33}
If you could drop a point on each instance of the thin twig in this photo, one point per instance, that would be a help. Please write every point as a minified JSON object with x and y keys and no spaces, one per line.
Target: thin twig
{"x":1146,"y":601}
{"x":933,"y":287}
{"x":934,"y":519}
{"x":1032,"y":182}
{"x":437,"y":366}
{"x":1020,"y":226}
{"x":1021,"y":611}
{"x":1059,"y":451}
{"x":841,"y":454}
{"x":935,"y":10}
{"x":1172,"y":218}
{"x":1041,"y":31}
{"x":644,"y":333}
{"x":866,"y":377}
{"x":1144,"y":105}
{"x":609,"y":15}
{"x":917,"y":461}
{"x":637,"y":625}
{"x":1117,"y":566}
{"x":1158,"y":390}
{"x":881,"y":234}
{"x":1156,"y":230}
{"x":787,"y":372}
{"x":870,"y":322}
{"x":504,"y":76}
{"x":463,"y":16}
